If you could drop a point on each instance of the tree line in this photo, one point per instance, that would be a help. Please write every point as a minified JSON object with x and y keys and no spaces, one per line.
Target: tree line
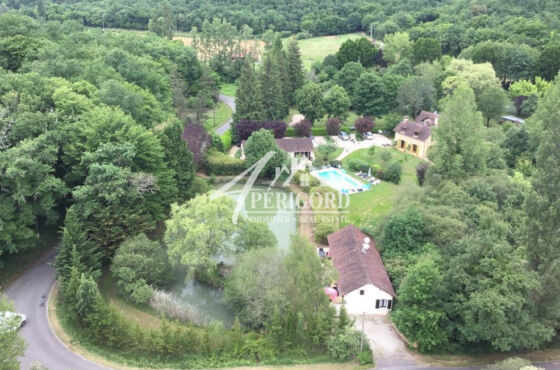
{"x":472,"y":252}
{"x":455,"y":24}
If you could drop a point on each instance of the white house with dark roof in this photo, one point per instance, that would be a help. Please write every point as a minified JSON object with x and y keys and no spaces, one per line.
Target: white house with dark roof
{"x":363,"y":282}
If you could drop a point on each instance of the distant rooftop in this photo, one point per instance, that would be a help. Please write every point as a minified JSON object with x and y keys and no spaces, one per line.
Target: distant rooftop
{"x":513,"y":119}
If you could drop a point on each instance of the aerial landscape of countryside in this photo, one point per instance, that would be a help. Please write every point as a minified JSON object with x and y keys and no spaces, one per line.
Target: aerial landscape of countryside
{"x":280,"y":185}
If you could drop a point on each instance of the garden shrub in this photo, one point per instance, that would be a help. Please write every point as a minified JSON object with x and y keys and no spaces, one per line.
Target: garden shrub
{"x":333,"y":126}
{"x":226,"y":140}
{"x":345,"y":344}
{"x":323,"y":230}
{"x":335,"y":163}
{"x":221,"y":164}
{"x":199,"y":186}
{"x":217,"y":142}
{"x":305,"y":180}
{"x":290,"y":132}
{"x":138,"y":264}
{"x":366,"y":357}
{"x":393,"y":172}
{"x":318,"y":131}
{"x":364,"y":124}
{"x":303,"y":128}
{"x":358,"y":165}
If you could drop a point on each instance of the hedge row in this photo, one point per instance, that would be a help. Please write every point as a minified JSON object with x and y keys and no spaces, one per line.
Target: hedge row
{"x":218,"y":163}
{"x":315,"y":130}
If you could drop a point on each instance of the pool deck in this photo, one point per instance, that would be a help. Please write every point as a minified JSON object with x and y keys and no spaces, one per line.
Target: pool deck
{"x":360,"y":184}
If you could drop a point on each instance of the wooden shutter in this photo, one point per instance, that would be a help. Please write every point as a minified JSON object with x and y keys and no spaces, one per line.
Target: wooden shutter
{"x":377,"y":303}
{"x":390,"y":304}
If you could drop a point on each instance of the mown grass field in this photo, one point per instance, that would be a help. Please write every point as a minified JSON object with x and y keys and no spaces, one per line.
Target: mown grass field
{"x":317,"y":48}
{"x":219,"y":116}
{"x":369,"y":206}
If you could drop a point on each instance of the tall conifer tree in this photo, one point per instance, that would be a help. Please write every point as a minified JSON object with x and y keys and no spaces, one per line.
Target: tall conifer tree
{"x":542,"y":205}
{"x":295,"y":69}
{"x":248,"y":98}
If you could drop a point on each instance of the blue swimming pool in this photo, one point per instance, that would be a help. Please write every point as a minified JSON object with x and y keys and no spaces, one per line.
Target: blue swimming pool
{"x":339,"y":180}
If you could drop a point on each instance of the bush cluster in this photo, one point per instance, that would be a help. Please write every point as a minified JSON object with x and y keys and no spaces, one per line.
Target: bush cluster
{"x":218,"y":163}
{"x":358,"y":165}
{"x":322,"y":231}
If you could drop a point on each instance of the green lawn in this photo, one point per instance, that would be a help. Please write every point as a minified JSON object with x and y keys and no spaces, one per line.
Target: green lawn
{"x":228,"y":89}
{"x":140,"y":314}
{"x":11,"y":265}
{"x":369,"y":206}
{"x":223,"y":114}
{"x":317,"y":48}
{"x":333,"y":155}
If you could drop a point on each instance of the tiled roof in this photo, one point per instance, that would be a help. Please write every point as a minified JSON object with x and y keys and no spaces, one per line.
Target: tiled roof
{"x":295,"y":145}
{"x":356,"y":268}
{"x":416,"y":130}
{"x":423,"y":116}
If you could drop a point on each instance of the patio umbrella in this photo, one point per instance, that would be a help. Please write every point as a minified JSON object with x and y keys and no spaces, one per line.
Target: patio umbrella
{"x":369,"y":172}
{"x":332,"y":293}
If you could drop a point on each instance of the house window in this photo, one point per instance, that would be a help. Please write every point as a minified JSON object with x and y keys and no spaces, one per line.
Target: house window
{"x":362,"y":292}
{"x":414,"y":148}
{"x":383,"y":303}
{"x":402,"y":144}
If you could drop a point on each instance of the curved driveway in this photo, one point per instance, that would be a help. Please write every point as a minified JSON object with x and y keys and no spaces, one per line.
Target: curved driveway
{"x":30,"y":293}
{"x":220,"y":130}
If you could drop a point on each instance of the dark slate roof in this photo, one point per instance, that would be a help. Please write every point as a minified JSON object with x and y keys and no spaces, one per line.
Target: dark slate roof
{"x":420,"y":130}
{"x":355,"y":268}
{"x":295,"y":145}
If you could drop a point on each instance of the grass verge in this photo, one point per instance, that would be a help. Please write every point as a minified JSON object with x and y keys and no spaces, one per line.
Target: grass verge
{"x":219,"y":116}
{"x":228,"y":89}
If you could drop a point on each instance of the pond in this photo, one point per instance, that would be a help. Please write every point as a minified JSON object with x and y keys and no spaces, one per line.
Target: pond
{"x":270,"y":205}
{"x":281,"y":219}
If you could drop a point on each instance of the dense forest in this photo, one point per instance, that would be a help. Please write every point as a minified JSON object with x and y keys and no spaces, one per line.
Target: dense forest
{"x":79,"y":110}
{"x":456,"y":23}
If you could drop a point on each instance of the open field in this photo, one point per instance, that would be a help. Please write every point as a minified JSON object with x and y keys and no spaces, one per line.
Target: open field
{"x":317,"y":48}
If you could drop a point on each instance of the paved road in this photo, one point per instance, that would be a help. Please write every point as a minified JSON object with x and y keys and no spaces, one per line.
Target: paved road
{"x":30,"y":293}
{"x":226,"y":126}
{"x":390,"y":351}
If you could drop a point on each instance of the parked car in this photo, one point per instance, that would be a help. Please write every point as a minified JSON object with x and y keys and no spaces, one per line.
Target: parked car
{"x":11,"y":321}
{"x":367,"y":135}
{"x":343,"y":135}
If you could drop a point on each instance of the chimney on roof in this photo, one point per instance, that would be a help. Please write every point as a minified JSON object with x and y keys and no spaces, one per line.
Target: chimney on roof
{"x":365,"y":246}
